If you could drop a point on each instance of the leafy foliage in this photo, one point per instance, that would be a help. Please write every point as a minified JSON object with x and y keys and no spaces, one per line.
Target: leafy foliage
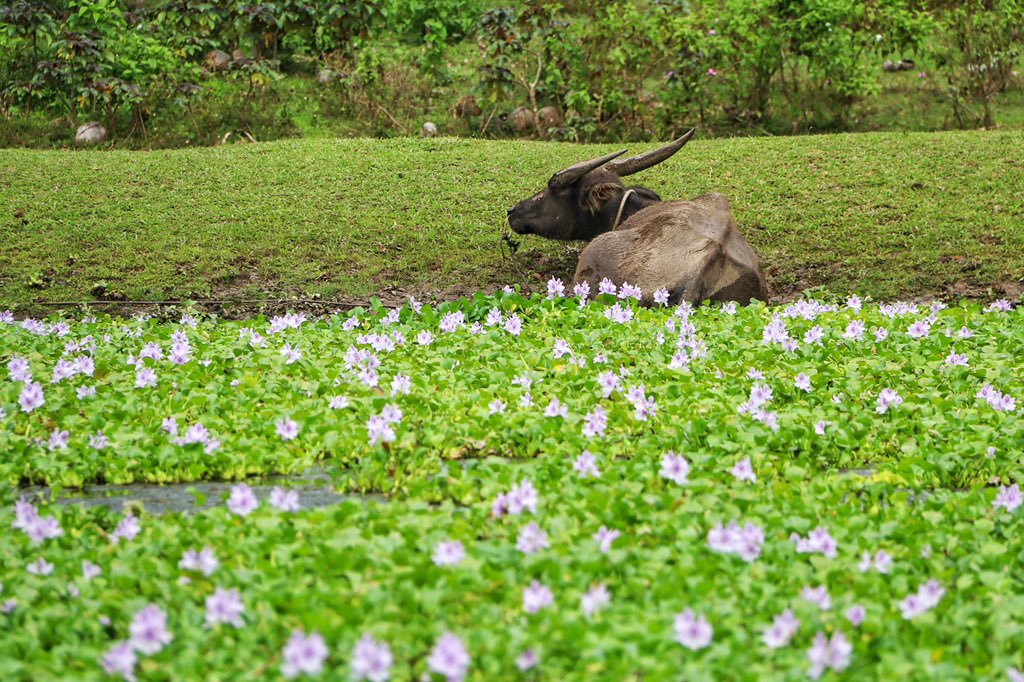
{"x":921,"y":512}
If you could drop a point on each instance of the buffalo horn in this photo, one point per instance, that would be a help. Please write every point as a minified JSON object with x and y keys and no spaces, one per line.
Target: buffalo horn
{"x":635,"y":164}
{"x":573,"y":173}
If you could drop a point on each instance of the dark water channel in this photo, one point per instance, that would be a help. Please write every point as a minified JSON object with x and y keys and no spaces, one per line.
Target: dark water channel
{"x":314,"y":489}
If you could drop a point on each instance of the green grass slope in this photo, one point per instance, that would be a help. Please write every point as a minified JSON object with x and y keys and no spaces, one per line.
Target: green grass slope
{"x":890,"y":215}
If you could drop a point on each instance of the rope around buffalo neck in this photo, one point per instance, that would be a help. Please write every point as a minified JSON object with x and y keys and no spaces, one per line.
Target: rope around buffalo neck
{"x":622,"y":205}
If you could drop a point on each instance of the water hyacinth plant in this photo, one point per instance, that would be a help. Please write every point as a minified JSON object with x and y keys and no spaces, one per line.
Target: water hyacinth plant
{"x":535,"y":486}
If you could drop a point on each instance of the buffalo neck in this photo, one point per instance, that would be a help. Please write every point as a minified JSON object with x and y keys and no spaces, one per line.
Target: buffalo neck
{"x":635,"y":199}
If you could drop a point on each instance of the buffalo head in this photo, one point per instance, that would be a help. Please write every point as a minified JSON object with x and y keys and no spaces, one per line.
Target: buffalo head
{"x":584,"y":200}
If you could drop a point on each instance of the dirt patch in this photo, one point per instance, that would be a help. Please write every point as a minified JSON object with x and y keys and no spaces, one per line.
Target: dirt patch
{"x":1009,"y":289}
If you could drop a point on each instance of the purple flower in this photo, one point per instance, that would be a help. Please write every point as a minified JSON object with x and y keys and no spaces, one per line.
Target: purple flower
{"x":825,"y":654}
{"x":292,"y":355}
{"x":242,"y":500}
{"x":148,"y":630}
{"x":627,"y":290}
{"x":224,"y":606}
{"x":145,"y":378}
{"x":999,"y":306}
{"x":556,"y":409}
{"x":854,"y":330}
{"x":18,"y":370}
{"x":371,"y":660}
{"x":605,"y":537}
{"x":379,"y":430}
{"x":536,"y":597}
{"x":449,"y":658}
{"x":40,"y":567}
{"x":285,"y":500}
{"x":803,"y":382}
{"x":204,"y":561}
{"x":424,"y":338}
{"x":855,"y":614}
{"x":618,"y":314}
{"x":339,"y":402}
{"x":886,"y":399}
{"x":62,"y":370}
{"x":582,"y":291}
{"x":527,"y":660}
{"x":38,"y":528}
{"x":561,"y":348}
{"x":782,"y":629}
{"x":609,"y":382}
{"x":732,"y":539}
{"x":927,"y":597}
{"x":919,"y":329}
{"x":449,"y":553}
{"x":679,"y":360}
{"x":391,"y":414}
{"x":401,"y":385}
{"x":586,"y":466}
{"x":90,"y":570}
{"x":532,"y":539}
{"x":120,"y":660}
{"x":596,"y":422}
{"x":127,"y":528}
{"x":595,"y":599}
{"x":956,"y":360}
{"x":556,"y":288}
{"x":1009,"y":498}
{"x":820,"y":427}
{"x":675,"y":468}
{"x":814,"y":335}
{"x":712,"y":73}
{"x":287,"y":429}
{"x":692,"y":632}
{"x":513,"y":325}
{"x":775,"y":331}
{"x":31,"y":397}
{"x":817,"y":541}
{"x":744,"y":471}
{"x":521,"y":498}
{"x":452,"y":321}
{"x":661,"y":296}
{"x":303,"y":654}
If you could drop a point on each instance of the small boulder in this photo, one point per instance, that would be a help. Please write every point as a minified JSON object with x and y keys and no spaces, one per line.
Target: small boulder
{"x":549,"y":118}
{"x":429,"y":129}
{"x":325,"y":76}
{"x":92,"y":132}
{"x":217,"y":60}
{"x":521,"y":120}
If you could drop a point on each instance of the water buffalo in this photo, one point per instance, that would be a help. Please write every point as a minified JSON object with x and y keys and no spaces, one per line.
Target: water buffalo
{"x":691,"y":248}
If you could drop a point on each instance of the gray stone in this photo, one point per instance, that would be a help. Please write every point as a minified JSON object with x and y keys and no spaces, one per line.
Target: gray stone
{"x":92,"y":132}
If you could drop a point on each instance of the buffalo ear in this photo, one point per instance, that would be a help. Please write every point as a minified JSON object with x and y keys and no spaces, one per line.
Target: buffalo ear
{"x":597,"y":195}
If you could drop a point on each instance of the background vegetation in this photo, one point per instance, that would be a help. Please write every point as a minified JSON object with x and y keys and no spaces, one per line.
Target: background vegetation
{"x":150,"y":70}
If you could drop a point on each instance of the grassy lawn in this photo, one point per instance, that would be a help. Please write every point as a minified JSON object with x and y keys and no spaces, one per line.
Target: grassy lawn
{"x":889,"y":215}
